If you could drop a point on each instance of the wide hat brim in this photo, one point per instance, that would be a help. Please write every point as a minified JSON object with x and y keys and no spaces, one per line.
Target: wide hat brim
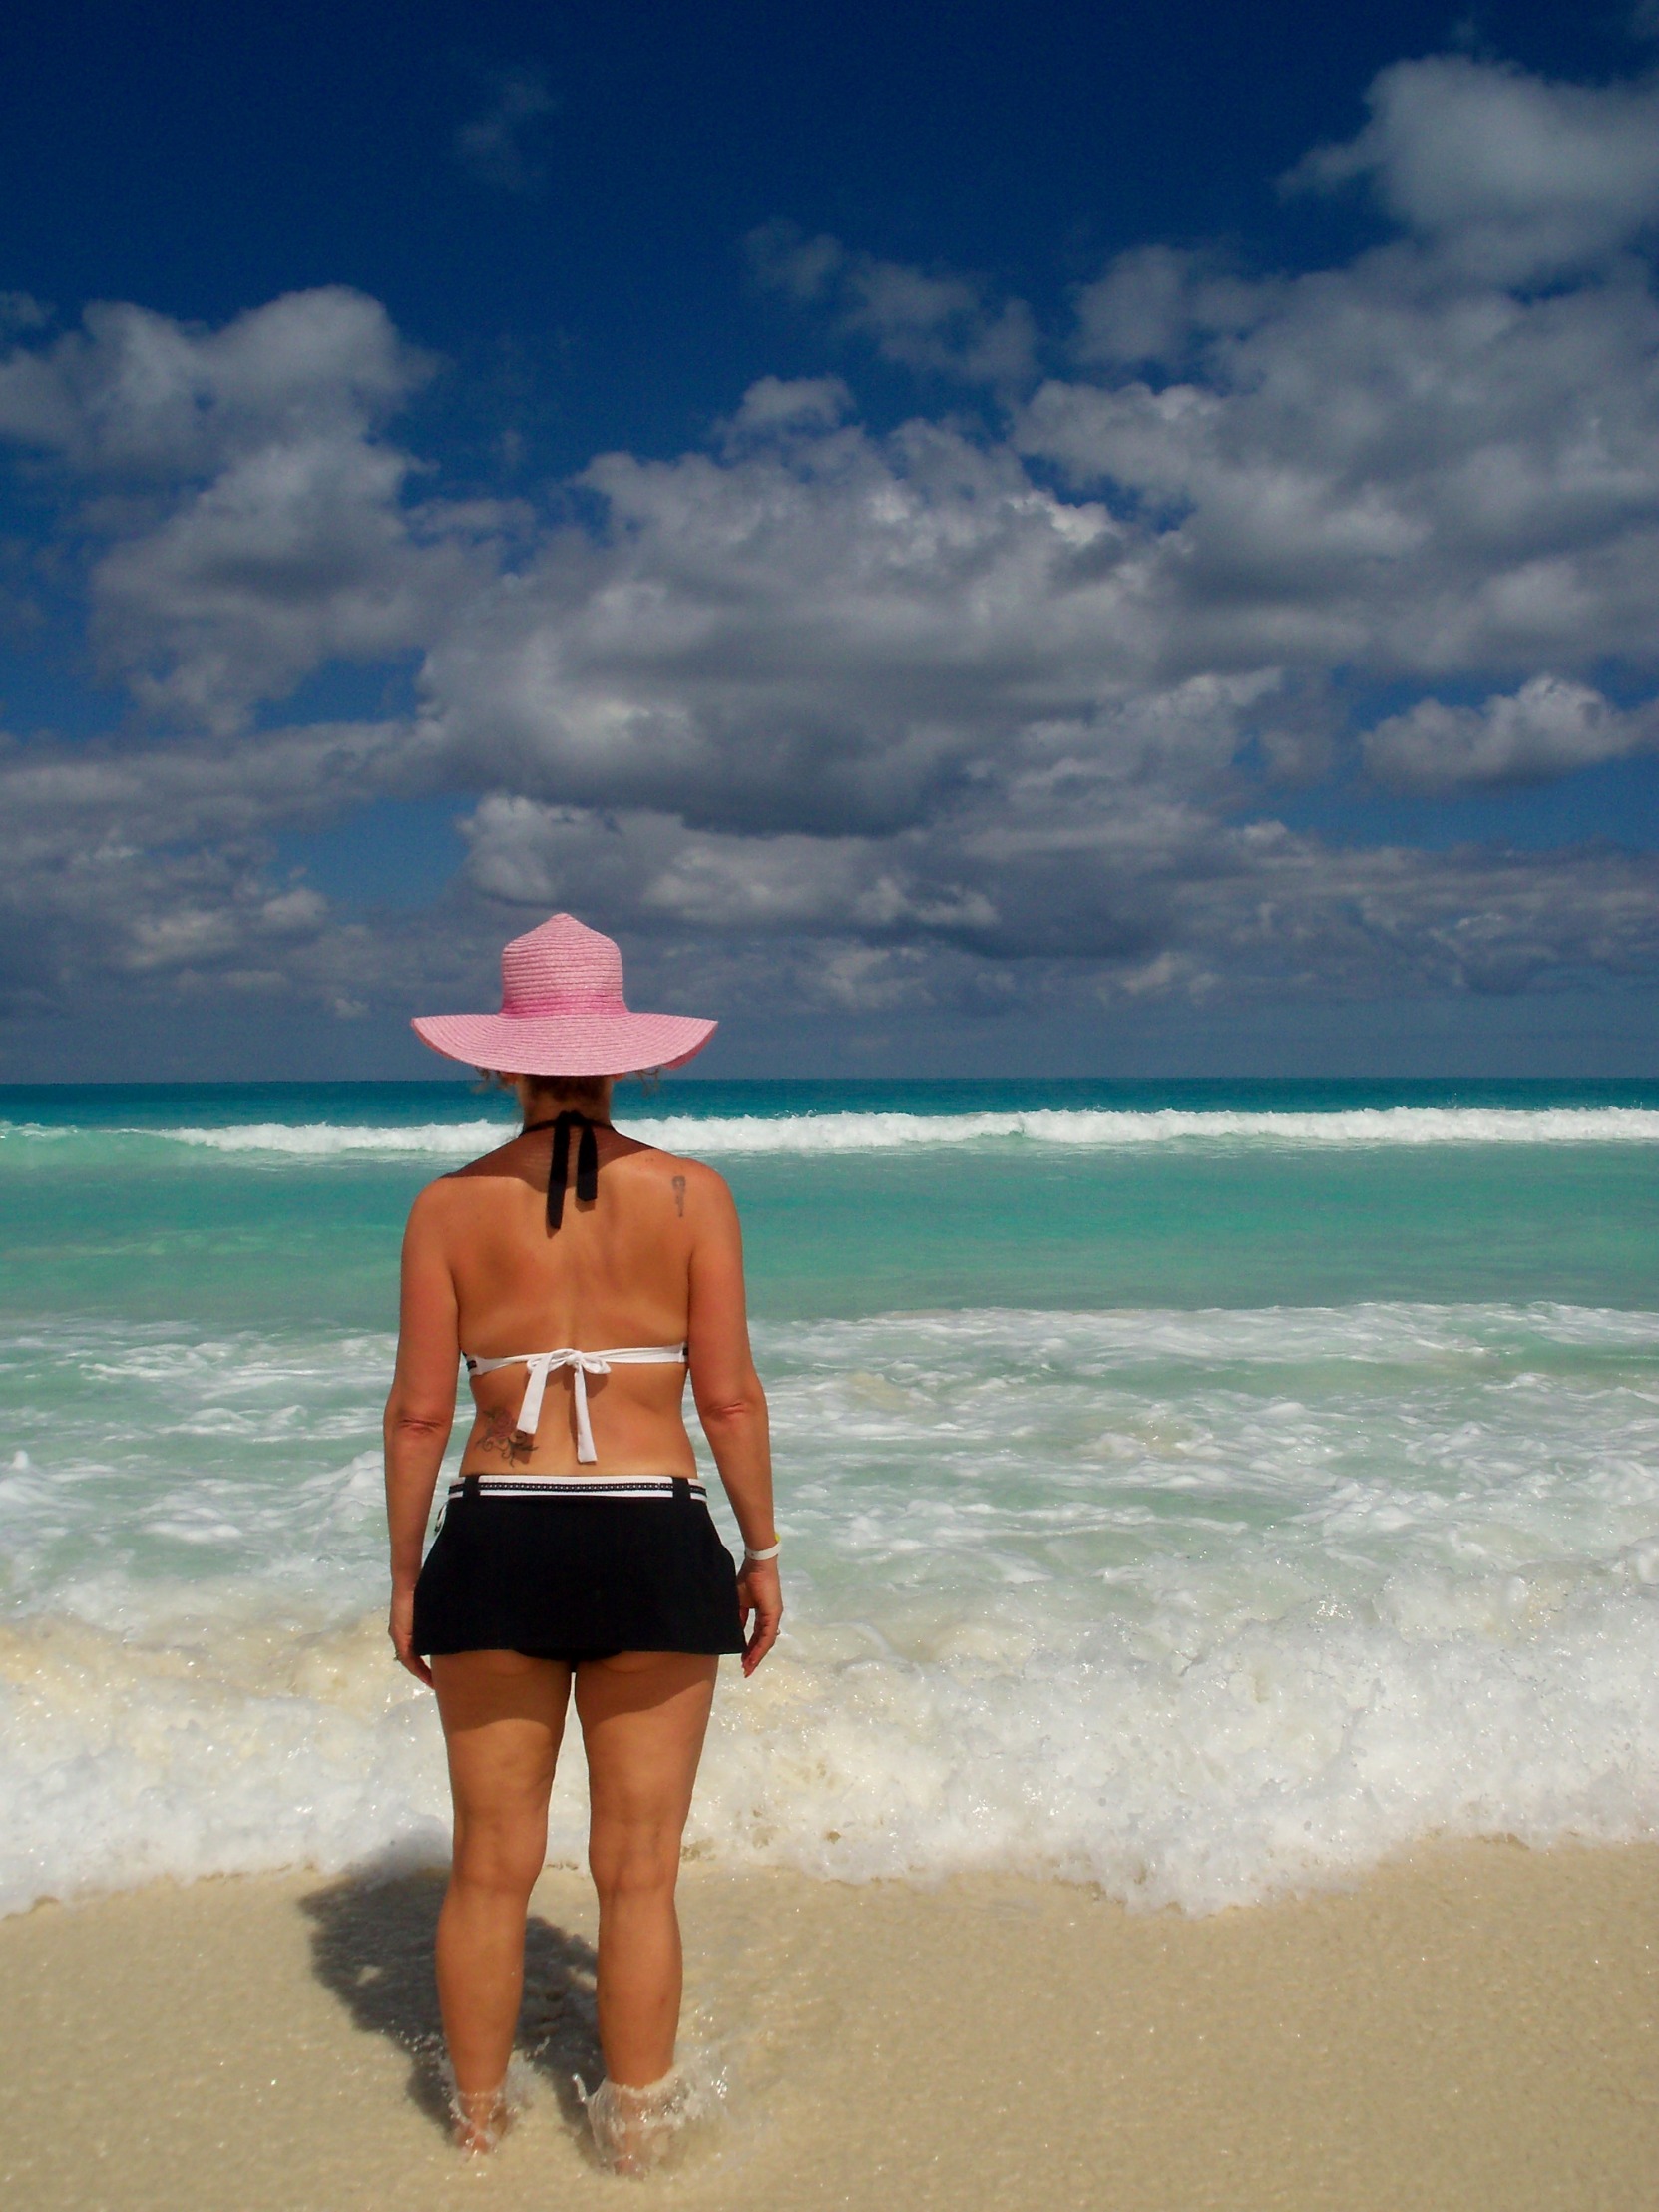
{"x":566,"y":1044}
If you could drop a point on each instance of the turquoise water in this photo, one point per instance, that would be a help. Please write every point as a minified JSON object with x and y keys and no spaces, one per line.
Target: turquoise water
{"x":102,"y":1210}
{"x":1196,"y":1488}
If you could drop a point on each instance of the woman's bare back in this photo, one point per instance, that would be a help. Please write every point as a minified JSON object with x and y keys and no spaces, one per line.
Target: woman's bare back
{"x":618,"y":1271}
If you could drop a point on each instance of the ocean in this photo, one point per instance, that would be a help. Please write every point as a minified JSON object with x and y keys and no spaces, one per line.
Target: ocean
{"x":1202,"y":1489}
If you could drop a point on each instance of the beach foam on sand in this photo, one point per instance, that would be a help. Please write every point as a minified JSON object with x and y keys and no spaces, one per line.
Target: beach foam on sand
{"x":1475,"y":2027}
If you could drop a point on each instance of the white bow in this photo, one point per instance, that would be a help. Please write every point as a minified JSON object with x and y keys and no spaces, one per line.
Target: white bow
{"x":582,"y":1365}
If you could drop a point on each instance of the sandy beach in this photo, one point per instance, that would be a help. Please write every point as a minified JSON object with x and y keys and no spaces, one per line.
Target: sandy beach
{"x":1477,"y":2026}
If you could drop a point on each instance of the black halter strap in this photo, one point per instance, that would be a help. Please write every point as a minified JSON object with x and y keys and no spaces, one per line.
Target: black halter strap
{"x":587,"y":1159}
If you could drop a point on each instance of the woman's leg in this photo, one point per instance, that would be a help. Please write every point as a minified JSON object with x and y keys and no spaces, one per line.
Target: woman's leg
{"x":502,"y":1718}
{"x":643,"y":1715}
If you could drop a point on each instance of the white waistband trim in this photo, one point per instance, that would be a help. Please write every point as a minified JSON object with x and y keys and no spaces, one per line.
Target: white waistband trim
{"x":576,"y":1485}
{"x":582,"y":1364}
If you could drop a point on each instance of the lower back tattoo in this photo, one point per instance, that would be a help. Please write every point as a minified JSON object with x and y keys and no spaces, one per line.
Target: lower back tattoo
{"x":500,"y":1436}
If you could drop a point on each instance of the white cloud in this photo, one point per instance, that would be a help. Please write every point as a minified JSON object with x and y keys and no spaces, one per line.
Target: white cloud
{"x":294,"y":556}
{"x":659,"y":870}
{"x":261,"y":523}
{"x":821,"y":635}
{"x":1376,"y":469}
{"x":940,"y":324}
{"x":792,"y":682}
{"x":155,"y":862}
{"x":1544,"y":729}
{"x":1293,"y":913}
{"x":1154,"y":302}
{"x":1511,"y":178}
{"x":133,"y":393}
{"x":774,"y":405}
{"x":943,"y":716}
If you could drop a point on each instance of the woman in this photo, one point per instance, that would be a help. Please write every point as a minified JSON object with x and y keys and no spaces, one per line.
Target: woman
{"x":575,"y":1544}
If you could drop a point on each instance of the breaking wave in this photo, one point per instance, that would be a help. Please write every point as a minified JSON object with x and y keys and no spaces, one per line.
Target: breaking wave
{"x":1200,"y":1605}
{"x":802,"y":1135}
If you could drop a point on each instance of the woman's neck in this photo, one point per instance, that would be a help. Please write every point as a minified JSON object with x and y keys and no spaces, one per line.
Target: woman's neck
{"x":547,"y":1105}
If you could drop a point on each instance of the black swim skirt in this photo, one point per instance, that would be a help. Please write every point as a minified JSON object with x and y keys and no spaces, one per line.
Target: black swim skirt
{"x":569,"y":1570}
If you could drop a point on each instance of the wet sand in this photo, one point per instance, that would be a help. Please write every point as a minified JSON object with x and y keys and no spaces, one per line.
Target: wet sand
{"x":1478,"y":2027}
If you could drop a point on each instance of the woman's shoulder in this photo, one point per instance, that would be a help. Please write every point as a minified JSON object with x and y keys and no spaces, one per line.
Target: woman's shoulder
{"x":697,"y":1190}
{"x":464,"y":1185}
{"x":652,"y":1160}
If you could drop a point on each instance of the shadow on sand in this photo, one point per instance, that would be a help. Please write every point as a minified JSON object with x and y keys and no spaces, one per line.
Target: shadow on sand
{"x":371,"y":1945}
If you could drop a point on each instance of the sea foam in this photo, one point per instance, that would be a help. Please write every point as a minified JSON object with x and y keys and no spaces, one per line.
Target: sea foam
{"x":1199,"y":1606}
{"x":854,"y":1133}
{"x":1284,"y":1754}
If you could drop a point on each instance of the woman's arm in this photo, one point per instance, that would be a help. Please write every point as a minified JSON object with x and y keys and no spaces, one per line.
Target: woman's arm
{"x":419,"y":1412}
{"x":731,"y":1402}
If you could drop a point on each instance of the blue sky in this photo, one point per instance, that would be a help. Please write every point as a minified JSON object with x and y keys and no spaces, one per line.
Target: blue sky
{"x":970,"y":538}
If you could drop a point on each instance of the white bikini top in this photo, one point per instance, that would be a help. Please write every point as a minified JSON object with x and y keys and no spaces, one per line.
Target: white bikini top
{"x":582,"y":1364}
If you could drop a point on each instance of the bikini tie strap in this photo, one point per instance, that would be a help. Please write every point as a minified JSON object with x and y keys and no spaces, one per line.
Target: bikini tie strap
{"x":539,"y":1366}
{"x":582,"y":1364}
{"x":587,"y":1160}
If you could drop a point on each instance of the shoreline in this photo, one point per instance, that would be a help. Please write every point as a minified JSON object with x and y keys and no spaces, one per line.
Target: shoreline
{"x":1475,"y":2025}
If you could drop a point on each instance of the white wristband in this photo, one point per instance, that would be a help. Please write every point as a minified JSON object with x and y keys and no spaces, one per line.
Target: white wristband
{"x":758,"y":1558}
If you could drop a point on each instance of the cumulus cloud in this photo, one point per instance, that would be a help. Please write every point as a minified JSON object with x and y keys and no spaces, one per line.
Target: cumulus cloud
{"x":1154,"y":303}
{"x":136,"y":394}
{"x":829,"y":670}
{"x":1544,"y":729}
{"x":1367,"y":466}
{"x":293,"y":557}
{"x":260,"y":519}
{"x":1295,"y":914}
{"x":820,"y":635}
{"x":653,"y":866}
{"x":151,"y":867}
{"x":1509,"y":176}
{"x":1055,"y":904}
{"x":941,"y":715}
{"x":943,"y":325}
{"x":776,"y":406}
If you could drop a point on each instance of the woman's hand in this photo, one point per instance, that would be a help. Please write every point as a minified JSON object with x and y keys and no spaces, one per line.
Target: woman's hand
{"x":759,"y":1593}
{"x":401,"y":1628}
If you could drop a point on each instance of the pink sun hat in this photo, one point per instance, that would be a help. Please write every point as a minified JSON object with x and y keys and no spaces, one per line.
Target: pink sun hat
{"x":562,"y":1012}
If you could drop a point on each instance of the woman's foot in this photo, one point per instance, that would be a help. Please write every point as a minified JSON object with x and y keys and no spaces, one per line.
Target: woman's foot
{"x":634,"y":2129}
{"x":481,"y":2118}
